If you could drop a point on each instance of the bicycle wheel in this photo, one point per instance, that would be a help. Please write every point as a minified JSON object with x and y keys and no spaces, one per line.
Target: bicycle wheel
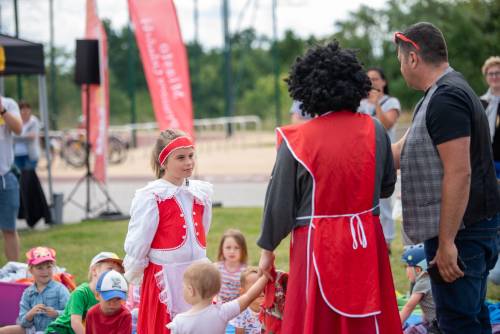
{"x":117,"y":150}
{"x":74,"y":153}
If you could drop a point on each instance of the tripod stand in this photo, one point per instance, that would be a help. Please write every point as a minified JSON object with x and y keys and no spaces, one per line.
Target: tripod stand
{"x":89,"y":178}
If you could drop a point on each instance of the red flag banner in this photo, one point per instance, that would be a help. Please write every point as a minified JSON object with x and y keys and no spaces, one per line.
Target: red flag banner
{"x":99,"y":95}
{"x":165,"y":63}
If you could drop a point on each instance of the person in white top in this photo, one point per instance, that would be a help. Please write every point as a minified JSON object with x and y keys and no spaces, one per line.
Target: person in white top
{"x":27,"y":145}
{"x":201,"y":283}
{"x":10,"y":123}
{"x":170,"y":219}
{"x":386,"y":109}
{"x":491,"y":104}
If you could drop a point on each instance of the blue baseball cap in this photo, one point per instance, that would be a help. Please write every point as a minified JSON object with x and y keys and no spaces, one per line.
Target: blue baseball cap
{"x":112,"y":284}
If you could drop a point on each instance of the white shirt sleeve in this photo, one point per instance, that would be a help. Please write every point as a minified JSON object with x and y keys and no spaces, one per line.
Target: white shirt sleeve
{"x":229,"y":310}
{"x":173,"y":326}
{"x":141,"y":231}
{"x":11,"y":106}
{"x":34,"y":125}
{"x":391,"y":103}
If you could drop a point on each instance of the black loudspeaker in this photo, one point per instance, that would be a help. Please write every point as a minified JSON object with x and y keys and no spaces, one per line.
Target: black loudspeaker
{"x":87,"y":62}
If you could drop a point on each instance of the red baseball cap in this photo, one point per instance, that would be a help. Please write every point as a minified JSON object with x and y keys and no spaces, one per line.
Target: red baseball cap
{"x":40,"y":254}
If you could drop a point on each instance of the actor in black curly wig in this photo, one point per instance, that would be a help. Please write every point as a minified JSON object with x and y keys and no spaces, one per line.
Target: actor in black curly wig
{"x":328,"y":78}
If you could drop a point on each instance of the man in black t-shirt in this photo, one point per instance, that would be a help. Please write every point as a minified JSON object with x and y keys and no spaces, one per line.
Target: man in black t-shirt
{"x":449,"y":194}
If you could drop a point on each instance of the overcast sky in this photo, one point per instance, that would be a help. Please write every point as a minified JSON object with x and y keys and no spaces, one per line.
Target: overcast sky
{"x":304,"y":17}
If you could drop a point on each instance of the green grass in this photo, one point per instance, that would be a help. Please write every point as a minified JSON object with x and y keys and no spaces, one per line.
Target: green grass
{"x":77,"y":244}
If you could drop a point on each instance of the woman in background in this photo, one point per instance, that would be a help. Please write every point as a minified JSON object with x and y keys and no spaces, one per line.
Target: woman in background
{"x":386,"y":109}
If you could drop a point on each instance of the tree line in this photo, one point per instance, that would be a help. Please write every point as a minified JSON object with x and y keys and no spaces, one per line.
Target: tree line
{"x":471,"y":29}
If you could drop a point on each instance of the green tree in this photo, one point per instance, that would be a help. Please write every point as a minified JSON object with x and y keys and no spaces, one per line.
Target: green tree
{"x":471,"y":29}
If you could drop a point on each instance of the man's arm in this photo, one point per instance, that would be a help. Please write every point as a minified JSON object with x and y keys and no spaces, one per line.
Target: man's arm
{"x":280,"y":201}
{"x":14,"y":122}
{"x":455,"y":157}
{"x":279,"y":208}
{"x":396,"y":149}
{"x":389,"y":174}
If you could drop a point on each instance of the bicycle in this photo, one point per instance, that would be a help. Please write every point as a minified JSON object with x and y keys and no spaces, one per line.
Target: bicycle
{"x":74,"y":150}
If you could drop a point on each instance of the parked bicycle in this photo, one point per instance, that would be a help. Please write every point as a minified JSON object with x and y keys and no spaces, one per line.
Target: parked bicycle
{"x":73,"y":149}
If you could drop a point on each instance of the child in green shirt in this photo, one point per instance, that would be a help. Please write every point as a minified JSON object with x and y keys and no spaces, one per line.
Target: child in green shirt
{"x":83,"y":297}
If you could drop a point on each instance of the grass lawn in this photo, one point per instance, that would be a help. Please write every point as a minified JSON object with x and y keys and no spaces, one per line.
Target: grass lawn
{"x":77,"y":244}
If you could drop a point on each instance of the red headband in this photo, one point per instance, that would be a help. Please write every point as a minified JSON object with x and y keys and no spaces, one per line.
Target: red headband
{"x":402,"y":37}
{"x":179,"y":142}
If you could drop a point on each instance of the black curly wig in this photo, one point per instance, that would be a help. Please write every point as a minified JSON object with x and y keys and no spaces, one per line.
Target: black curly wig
{"x":328,"y":78}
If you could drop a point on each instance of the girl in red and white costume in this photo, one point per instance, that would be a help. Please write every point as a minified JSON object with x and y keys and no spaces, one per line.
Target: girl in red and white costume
{"x":170,"y":218}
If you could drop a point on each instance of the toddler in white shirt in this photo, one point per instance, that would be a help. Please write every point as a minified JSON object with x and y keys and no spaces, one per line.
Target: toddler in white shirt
{"x":201,"y":283}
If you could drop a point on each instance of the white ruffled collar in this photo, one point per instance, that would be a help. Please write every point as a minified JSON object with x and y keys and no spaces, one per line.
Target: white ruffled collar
{"x":164,"y":189}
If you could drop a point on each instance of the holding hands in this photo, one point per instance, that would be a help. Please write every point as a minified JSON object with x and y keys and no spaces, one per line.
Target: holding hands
{"x":266,"y":262}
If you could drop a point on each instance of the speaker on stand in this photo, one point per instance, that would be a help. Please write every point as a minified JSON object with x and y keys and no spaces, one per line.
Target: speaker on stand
{"x":87,"y":74}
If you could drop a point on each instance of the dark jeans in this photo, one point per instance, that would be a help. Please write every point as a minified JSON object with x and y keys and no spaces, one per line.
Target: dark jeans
{"x":23,"y":162}
{"x":460,"y":306}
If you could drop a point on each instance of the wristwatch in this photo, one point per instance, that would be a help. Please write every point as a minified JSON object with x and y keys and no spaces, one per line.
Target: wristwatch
{"x":3,"y":111}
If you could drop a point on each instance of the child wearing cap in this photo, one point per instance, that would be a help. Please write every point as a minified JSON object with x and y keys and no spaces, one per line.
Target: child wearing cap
{"x":110,"y":316}
{"x":201,"y":283}
{"x":421,"y":294}
{"x":83,"y":297}
{"x":44,"y":300}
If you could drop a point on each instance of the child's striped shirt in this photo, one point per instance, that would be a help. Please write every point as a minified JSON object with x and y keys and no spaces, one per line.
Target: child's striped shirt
{"x":230,"y":283}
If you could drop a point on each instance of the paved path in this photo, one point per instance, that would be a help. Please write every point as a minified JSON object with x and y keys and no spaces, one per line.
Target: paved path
{"x":238,"y":167}
{"x":237,"y":193}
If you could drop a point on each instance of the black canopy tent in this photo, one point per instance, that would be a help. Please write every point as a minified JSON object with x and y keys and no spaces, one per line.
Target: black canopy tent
{"x":19,"y":56}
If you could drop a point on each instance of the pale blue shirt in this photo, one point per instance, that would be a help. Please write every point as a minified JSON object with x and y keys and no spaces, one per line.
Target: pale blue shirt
{"x":386,"y":103}
{"x":54,"y":295}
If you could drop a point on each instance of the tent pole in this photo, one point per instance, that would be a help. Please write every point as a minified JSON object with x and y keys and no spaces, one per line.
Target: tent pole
{"x":19,"y":80}
{"x":53,"y":95}
{"x":42,"y":96}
